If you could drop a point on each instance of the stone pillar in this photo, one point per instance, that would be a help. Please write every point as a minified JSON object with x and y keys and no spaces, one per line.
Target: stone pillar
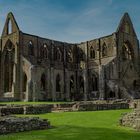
{"x":35,"y":91}
{"x":29,"y":91}
{"x":85,"y":84}
{"x":67,"y":85}
{"x":48,"y":84}
{"x":16,"y":74}
{"x":116,"y":91}
{"x":53,"y":84}
{"x":101,"y":82}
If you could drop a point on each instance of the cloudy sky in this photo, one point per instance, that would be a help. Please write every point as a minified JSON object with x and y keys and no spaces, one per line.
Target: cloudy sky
{"x":70,"y":20}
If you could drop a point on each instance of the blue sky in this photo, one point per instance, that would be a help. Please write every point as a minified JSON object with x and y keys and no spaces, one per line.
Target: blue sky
{"x":70,"y":20}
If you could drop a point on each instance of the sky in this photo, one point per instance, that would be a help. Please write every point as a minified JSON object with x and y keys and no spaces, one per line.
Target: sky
{"x":70,"y":21}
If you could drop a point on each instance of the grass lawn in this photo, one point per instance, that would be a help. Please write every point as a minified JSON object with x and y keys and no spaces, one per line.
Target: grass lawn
{"x":97,"y":125}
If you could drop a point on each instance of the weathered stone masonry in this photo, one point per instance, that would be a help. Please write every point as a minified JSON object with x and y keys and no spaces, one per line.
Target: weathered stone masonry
{"x":33,"y":68}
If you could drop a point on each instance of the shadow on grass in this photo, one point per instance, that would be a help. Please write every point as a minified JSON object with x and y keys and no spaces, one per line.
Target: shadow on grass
{"x":67,"y":132}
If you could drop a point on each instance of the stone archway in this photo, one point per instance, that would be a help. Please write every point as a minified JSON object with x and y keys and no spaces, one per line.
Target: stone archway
{"x":9,"y":56}
{"x":58,"y":87}
{"x":43,"y":82}
{"x":24,"y":82}
{"x":94,"y":83}
{"x":81,"y":88}
{"x":71,"y":87}
{"x":127,"y":51}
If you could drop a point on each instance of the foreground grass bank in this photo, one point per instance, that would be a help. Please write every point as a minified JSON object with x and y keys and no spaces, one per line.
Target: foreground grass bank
{"x":98,"y":125}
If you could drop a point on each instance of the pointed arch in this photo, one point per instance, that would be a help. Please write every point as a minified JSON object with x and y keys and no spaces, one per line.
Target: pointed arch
{"x":94,"y":82}
{"x":71,"y":87}
{"x":24,"y":82}
{"x":58,"y":55}
{"x":127,"y":51}
{"x":9,"y":29}
{"x":43,"y":82}
{"x":127,"y":28}
{"x":45,"y":52}
{"x":58,"y":84}
{"x":92,"y":53}
{"x":70,"y":56}
{"x":10,"y":25}
{"x":104,"y":50}
{"x":31,"y":48}
{"x":9,"y":56}
{"x":81,"y":84}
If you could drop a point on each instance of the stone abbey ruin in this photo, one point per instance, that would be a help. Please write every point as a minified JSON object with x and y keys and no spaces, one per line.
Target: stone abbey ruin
{"x":33,"y":68}
{"x":104,"y":72}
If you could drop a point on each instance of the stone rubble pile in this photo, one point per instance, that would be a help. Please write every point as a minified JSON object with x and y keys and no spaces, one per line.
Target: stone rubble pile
{"x":12,"y":124}
{"x":131,"y":119}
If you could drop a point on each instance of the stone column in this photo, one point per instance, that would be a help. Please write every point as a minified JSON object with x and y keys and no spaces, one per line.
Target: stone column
{"x":53,"y":85}
{"x":16,"y":74}
{"x":67,"y":85}
{"x":29,"y":91}
{"x":35,"y":91}
{"x":101,"y":82}
{"x":85,"y":84}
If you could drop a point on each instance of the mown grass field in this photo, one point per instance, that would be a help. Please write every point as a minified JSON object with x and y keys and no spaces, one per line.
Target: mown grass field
{"x":97,"y":125}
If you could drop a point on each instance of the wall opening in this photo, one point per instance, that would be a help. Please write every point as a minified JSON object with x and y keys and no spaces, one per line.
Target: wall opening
{"x":94,"y":84}
{"x":9,"y":27}
{"x":24,"y":82}
{"x":8,"y":66}
{"x":58,"y":84}
{"x":92,"y":53}
{"x":43,"y":82}
{"x":71,"y":87}
{"x":31,"y":48}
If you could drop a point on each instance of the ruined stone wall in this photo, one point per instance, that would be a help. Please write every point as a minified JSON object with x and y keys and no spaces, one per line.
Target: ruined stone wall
{"x":83,"y":70}
{"x":19,"y":124}
{"x":127,"y":38}
{"x":36,"y":65}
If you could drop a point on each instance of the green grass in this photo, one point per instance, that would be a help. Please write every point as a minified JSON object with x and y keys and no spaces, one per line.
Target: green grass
{"x":32,"y":103}
{"x":97,"y":125}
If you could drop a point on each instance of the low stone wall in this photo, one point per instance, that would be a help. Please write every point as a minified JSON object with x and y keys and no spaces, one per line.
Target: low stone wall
{"x":37,"y":109}
{"x":20,"y":124}
{"x":25,"y":109}
{"x":95,"y":107}
{"x":131,"y":119}
{"x":11,"y":110}
{"x":74,"y":106}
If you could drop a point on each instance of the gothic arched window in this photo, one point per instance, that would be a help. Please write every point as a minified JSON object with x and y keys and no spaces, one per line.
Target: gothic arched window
{"x":24,"y":82}
{"x":81,"y":84}
{"x":92,"y":53}
{"x":70,"y":57}
{"x":127,"y":28}
{"x":45,"y":51}
{"x":43,"y":82}
{"x":94,"y":81}
{"x":58,"y":84}
{"x":30,"y":48}
{"x":9,"y":30}
{"x":127,"y":52}
{"x":104,"y":50}
{"x":58,"y":54}
{"x":9,"y":66}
